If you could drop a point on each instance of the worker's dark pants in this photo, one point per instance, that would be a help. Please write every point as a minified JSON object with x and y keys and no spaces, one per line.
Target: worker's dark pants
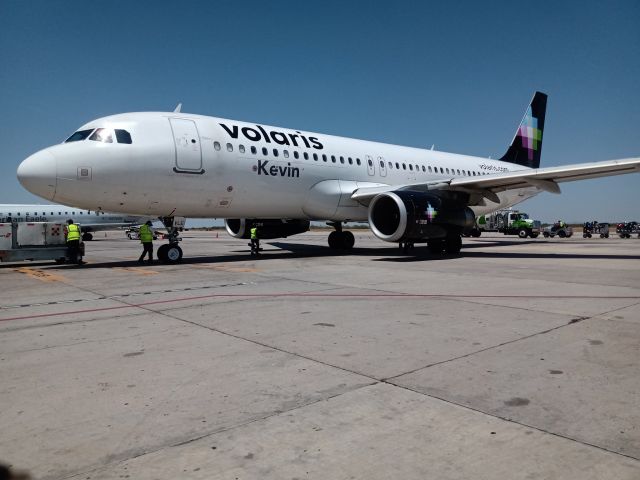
{"x":255,"y":245}
{"x":73,"y":247}
{"x":147,"y":248}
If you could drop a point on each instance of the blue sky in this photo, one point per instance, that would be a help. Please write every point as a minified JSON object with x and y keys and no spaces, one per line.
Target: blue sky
{"x":455,"y":74}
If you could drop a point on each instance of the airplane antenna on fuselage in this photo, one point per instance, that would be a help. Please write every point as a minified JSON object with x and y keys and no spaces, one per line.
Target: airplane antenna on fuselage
{"x":178,"y":108}
{"x":432,"y":146}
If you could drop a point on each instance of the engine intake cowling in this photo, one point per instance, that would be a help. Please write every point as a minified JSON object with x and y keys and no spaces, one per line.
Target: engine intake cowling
{"x":415,"y":216}
{"x":268,"y":228}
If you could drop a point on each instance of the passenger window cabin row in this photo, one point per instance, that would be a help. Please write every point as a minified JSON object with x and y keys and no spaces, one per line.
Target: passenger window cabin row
{"x":342,"y":160}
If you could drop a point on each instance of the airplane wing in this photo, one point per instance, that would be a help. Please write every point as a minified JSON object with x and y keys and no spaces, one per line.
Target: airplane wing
{"x":487,"y":186}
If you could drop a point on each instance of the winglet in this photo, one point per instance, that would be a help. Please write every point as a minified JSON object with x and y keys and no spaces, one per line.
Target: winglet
{"x":178,"y":108}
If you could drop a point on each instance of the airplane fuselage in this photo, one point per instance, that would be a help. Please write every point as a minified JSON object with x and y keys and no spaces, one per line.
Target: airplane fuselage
{"x":197,"y":166}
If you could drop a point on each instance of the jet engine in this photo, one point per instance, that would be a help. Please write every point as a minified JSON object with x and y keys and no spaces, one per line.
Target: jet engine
{"x":268,"y":228}
{"x":408,"y":216}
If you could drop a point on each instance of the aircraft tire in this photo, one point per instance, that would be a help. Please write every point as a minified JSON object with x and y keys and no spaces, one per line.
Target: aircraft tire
{"x":87,"y":237}
{"x":335,"y":240}
{"x":436,"y":247}
{"x":162,"y":252}
{"x":174,"y":254}
{"x":453,"y":245}
{"x":348,"y":240}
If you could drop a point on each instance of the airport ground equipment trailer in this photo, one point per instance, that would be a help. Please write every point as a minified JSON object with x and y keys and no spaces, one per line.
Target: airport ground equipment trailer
{"x":33,"y":241}
{"x":509,"y":222}
{"x":628,"y":229}
{"x":560,"y":229}
{"x":589,"y":229}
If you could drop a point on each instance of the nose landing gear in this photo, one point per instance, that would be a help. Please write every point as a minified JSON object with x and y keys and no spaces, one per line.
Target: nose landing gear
{"x":171,"y":252}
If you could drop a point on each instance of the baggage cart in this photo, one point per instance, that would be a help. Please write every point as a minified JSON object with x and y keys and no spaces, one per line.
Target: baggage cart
{"x":35,"y":241}
{"x":589,"y":229}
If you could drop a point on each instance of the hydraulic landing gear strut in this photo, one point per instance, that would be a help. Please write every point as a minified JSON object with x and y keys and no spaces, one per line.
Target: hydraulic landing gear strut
{"x":340,"y":240}
{"x":171,"y":252}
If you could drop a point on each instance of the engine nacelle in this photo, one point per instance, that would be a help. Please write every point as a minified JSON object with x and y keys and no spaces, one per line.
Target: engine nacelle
{"x":418,"y":216}
{"x":271,"y":228}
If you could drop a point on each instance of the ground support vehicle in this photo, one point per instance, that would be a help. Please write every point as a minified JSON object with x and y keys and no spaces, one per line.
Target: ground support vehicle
{"x":627,"y":229}
{"x":509,"y":222}
{"x":590,"y":229}
{"x":33,"y":241}
{"x":133,"y":233}
{"x":561,"y":229}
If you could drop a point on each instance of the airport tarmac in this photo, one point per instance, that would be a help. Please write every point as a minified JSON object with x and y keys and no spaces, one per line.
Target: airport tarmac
{"x":519,"y":359}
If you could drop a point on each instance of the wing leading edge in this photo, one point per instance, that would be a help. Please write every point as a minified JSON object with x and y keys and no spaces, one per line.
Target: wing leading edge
{"x":546,"y":179}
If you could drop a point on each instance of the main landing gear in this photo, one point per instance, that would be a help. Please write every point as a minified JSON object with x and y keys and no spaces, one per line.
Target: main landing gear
{"x":452,"y":245}
{"x":339,"y":239}
{"x":406,"y":247}
{"x":87,"y":237}
{"x":171,"y":252}
{"x":437,"y":246}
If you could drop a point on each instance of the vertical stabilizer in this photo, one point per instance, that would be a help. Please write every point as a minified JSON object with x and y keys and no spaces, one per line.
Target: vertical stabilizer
{"x":526,"y":147}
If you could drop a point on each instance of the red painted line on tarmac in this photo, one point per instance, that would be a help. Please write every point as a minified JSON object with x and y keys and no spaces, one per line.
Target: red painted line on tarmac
{"x":325,"y":295}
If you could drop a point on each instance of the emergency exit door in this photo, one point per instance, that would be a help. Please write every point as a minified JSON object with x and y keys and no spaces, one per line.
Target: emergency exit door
{"x":187,"y":143}
{"x":371,"y":167}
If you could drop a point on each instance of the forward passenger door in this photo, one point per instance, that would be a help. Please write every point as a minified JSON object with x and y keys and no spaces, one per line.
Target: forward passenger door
{"x":187,"y":144}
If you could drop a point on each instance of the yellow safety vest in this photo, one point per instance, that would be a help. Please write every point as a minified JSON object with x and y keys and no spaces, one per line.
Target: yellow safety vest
{"x":146,"y":235}
{"x":73,"y":232}
{"x":254,"y":233}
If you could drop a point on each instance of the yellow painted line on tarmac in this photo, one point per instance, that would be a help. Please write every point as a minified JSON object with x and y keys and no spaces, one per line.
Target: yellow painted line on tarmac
{"x":139,"y":271}
{"x":41,"y":275}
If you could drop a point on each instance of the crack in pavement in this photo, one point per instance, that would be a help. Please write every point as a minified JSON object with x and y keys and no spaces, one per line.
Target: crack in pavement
{"x":526,"y":337}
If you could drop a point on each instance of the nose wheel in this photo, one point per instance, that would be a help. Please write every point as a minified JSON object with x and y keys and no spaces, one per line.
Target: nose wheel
{"x":169,"y":253}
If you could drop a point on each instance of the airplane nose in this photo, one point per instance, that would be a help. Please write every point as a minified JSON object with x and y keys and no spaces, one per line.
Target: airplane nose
{"x":37,"y":174}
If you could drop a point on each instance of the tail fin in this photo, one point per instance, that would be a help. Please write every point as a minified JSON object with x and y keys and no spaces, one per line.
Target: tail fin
{"x":526,"y":146}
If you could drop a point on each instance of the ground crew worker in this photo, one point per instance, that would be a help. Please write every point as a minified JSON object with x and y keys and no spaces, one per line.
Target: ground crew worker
{"x":255,"y":241}
{"x":73,"y":235}
{"x":146,"y":238}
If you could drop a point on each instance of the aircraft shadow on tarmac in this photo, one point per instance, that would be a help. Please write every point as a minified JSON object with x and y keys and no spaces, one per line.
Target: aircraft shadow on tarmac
{"x":285,"y":250}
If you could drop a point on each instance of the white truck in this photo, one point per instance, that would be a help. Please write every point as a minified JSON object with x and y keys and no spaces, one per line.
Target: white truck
{"x":33,"y":241}
{"x":509,"y":222}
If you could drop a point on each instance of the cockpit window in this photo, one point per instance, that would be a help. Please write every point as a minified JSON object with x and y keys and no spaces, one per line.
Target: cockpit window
{"x":103,"y":135}
{"x":123,"y":136}
{"x":79,"y":135}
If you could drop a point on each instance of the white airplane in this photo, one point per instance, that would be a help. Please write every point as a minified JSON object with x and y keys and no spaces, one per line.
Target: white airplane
{"x":89,"y":220}
{"x":171,"y":164}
